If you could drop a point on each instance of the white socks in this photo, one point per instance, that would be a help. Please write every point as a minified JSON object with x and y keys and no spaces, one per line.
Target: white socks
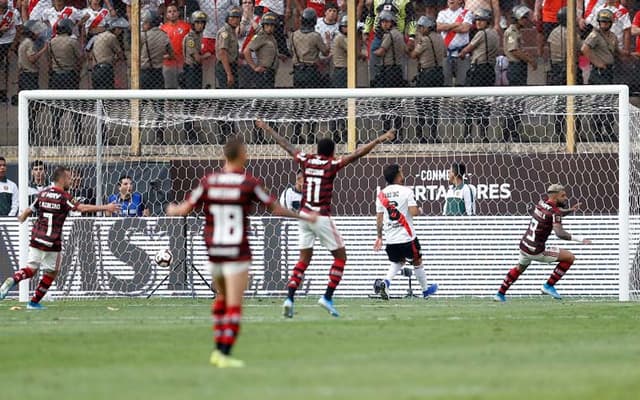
{"x":422,"y":277}
{"x":394,"y":268}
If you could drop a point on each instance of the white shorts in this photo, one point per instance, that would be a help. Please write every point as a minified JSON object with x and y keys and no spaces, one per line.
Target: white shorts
{"x":223,"y":269}
{"x":324,"y":229}
{"x":45,"y":260}
{"x":549,"y":255}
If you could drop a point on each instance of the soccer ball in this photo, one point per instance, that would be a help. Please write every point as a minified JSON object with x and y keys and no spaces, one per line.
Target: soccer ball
{"x":164,"y":258}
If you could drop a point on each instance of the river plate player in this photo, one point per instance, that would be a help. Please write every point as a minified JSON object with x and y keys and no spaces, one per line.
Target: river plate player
{"x":546,"y":217}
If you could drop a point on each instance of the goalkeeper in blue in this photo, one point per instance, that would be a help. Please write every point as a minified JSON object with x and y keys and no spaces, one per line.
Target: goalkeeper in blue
{"x":395,"y":208}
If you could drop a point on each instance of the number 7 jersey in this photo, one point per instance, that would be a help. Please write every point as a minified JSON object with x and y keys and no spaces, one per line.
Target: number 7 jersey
{"x":52,"y":206}
{"x":226,"y":198}
{"x":319,"y":173}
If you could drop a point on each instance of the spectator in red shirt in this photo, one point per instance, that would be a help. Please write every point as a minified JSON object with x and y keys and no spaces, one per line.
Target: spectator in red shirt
{"x":545,"y":19}
{"x":176,"y":29}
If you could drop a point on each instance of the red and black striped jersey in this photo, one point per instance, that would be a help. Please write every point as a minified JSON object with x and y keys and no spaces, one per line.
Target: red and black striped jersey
{"x":52,"y":206}
{"x":226,"y":198}
{"x":545,"y":214}
{"x":319,"y":173}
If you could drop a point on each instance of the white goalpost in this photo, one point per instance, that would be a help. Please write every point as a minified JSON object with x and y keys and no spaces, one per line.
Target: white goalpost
{"x":515,"y":141}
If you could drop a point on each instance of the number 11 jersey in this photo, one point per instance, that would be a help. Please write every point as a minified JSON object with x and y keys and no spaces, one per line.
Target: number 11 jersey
{"x":319,"y":173}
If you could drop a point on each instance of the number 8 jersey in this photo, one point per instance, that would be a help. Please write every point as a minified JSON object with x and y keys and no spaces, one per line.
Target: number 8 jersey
{"x":319,"y":173}
{"x":226,"y":198}
{"x":545,"y":214}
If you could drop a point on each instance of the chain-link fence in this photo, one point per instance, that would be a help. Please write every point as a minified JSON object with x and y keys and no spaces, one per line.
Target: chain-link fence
{"x":259,"y":44}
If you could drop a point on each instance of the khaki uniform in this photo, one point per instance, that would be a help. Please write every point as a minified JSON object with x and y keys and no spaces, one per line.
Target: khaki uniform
{"x":558,"y":54}
{"x":339,"y":51}
{"x":28,"y":77}
{"x":155,"y":45}
{"x":517,"y":72}
{"x":227,"y":39}
{"x":389,"y":71}
{"x":64,"y":56}
{"x":192,"y":75}
{"x":265,"y":48}
{"x":432,"y":53}
{"x":483,"y":58}
{"x":517,"y":76}
{"x":306,"y":49}
{"x":105,"y":51}
{"x":485,"y":44}
{"x":603,"y":50}
{"x":65,"y":53}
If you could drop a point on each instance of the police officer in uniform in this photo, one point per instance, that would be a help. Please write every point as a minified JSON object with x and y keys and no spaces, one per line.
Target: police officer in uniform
{"x":430,"y":51}
{"x":339,"y":51}
{"x":265,"y":47}
{"x":484,"y":50}
{"x":306,"y":46}
{"x":601,"y":48}
{"x":191,"y":77}
{"x":227,"y":50}
{"x":106,"y":52}
{"x":154,"y":48}
{"x":29,"y":54}
{"x":389,"y":71}
{"x":192,"y":71}
{"x":65,"y":58}
{"x":519,"y":60}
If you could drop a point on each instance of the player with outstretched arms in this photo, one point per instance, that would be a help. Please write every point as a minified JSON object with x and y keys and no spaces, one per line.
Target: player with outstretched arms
{"x":226,"y":197}
{"x":52,"y":205}
{"x":546,"y":217}
{"x":319,"y":170}
{"x":395,"y":208}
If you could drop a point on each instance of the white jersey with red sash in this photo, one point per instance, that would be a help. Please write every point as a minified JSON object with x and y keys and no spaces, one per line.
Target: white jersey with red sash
{"x":591,"y":5}
{"x":10,"y":19}
{"x":453,"y":40}
{"x":37,"y":8}
{"x":54,"y":17}
{"x":97,"y":18}
{"x":393,"y":202}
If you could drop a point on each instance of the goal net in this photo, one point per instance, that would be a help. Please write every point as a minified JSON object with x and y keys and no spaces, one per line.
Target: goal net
{"x":514,"y":142}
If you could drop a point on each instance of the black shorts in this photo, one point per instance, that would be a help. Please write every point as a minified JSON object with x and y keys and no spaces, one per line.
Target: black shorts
{"x":402,"y":252}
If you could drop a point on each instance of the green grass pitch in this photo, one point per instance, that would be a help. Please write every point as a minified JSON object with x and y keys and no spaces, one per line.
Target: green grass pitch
{"x":531,"y":348}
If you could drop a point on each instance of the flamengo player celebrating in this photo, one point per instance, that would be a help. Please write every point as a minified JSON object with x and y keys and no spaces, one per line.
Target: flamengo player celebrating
{"x":53,"y":205}
{"x":547,"y":216}
{"x":227,"y":197}
{"x":319,"y":172}
{"x":395,"y":208}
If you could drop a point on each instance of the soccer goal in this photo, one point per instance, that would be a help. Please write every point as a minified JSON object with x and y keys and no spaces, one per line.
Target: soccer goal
{"x":514,"y":142}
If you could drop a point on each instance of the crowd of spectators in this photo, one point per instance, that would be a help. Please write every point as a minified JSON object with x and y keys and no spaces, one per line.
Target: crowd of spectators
{"x":68,"y":44}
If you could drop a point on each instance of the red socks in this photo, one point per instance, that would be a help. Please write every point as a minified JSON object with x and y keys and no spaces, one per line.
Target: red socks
{"x":511,"y":277}
{"x":218,"y":309}
{"x":24,"y":273}
{"x":335,"y":276}
{"x":558,"y":272}
{"x":231,"y":329}
{"x":43,"y":286}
